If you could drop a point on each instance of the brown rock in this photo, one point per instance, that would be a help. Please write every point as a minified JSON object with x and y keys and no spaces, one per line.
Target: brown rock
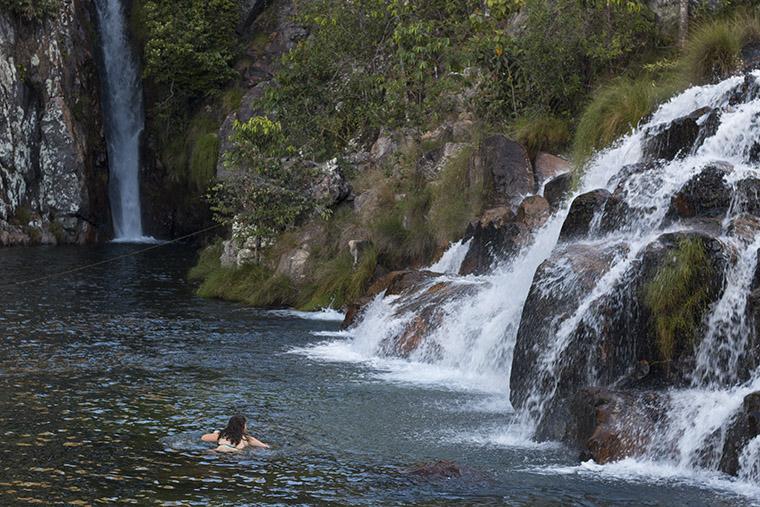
{"x":534,"y":211}
{"x":549,"y":166}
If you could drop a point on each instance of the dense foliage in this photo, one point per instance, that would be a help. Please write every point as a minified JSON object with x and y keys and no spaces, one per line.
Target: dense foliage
{"x":30,"y":9}
{"x":372,"y":63}
{"x":188,"y":48}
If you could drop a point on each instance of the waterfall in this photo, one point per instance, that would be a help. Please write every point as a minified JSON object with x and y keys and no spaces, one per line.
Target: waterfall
{"x":473,"y":335}
{"x":124,"y":117}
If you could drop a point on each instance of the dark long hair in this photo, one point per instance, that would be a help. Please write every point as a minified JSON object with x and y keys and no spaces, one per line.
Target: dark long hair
{"x":235,"y":430}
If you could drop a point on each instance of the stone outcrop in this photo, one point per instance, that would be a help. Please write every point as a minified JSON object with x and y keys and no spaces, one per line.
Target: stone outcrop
{"x":620,"y":348}
{"x":53,"y":170}
{"x":499,"y":233}
{"x":505,"y":164}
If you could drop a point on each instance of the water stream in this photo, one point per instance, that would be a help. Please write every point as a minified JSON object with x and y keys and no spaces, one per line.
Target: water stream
{"x":108,"y":378}
{"x":474,"y":340}
{"x":124,"y":119}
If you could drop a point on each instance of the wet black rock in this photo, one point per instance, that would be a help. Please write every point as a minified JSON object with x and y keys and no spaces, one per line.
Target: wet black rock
{"x":677,"y":139}
{"x":706,"y":195}
{"x":582,"y":212}
{"x":557,"y":189}
{"x":745,"y":427}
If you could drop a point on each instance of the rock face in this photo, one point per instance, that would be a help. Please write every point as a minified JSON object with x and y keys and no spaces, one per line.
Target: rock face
{"x":53,"y":170}
{"x":619,"y":346}
{"x":674,"y":140}
{"x":500,"y":233}
{"x":508,"y":165}
{"x":706,"y":195}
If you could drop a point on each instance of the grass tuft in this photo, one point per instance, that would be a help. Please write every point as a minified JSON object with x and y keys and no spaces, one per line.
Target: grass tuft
{"x":203,"y":160}
{"x":713,"y":51}
{"x":678,"y":296}
{"x":542,"y":132}
{"x":615,"y":111}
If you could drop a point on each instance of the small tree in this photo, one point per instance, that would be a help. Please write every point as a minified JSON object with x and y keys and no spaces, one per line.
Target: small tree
{"x":264,"y":193}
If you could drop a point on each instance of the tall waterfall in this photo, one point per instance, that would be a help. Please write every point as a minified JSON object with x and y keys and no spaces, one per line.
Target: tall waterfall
{"x":124,"y":117}
{"x":473,"y":337}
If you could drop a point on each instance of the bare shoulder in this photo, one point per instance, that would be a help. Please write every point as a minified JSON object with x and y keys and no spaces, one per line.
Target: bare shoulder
{"x":210,"y":437}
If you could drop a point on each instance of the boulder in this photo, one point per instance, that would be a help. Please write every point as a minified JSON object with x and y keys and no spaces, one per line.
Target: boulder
{"x":614,"y":342}
{"x":330,"y":187}
{"x":383,"y":147}
{"x":505,"y":166}
{"x":676,"y":139}
{"x":533,"y":212}
{"x":583,"y":210}
{"x":706,"y":195}
{"x":557,"y":188}
{"x":495,"y":235}
{"x":293,"y":264}
{"x":547,"y":167}
{"x":745,"y":427}
{"x":614,"y":425}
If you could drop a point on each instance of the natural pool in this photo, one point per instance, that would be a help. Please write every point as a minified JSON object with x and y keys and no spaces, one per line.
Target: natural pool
{"x":108,"y":377}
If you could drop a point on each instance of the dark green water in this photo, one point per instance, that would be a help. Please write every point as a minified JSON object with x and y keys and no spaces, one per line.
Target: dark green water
{"x":109,"y":376}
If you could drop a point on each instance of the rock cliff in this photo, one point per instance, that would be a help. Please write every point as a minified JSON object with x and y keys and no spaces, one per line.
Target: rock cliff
{"x":53,"y":169}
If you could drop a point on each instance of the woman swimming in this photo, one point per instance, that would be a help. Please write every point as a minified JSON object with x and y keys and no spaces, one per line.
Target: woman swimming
{"x":234,"y":437}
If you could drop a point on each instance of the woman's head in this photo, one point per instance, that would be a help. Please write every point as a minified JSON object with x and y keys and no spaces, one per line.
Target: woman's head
{"x":235,"y":430}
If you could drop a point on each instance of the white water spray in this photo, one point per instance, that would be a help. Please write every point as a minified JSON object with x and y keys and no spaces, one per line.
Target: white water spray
{"x":124,"y":117}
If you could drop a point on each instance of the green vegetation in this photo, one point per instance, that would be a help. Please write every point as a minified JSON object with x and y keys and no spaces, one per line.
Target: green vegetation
{"x":188,"y":49}
{"x":263,"y":193}
{"x":203,"y":161}
{"x":574,"y":75}
{"x":616,"y":110}
{"x":542,"y":132}
{"x":714,"y":47}
{"x":252,"y":284}
{"x":678,"y":296}
{"x":31,"y":9}
{"x":338,"y":282}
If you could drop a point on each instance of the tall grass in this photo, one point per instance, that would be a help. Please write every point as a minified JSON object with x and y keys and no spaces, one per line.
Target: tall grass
{"x":542,"y":132}
{"x":616,"y":110}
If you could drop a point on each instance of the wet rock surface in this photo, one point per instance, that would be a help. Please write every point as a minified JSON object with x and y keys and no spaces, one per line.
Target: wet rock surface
{"x":676,"y":139}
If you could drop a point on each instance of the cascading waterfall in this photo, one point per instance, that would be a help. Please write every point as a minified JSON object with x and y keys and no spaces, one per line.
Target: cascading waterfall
{"x":124,"y":118}
{"x":475,"y":333}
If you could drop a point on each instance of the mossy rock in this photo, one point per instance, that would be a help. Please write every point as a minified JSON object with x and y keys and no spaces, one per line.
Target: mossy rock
{"x":683,"y":275}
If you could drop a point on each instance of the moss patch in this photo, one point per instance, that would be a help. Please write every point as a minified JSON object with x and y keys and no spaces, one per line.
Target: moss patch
{"x":678,"y":296}
{"x":203,"y":160}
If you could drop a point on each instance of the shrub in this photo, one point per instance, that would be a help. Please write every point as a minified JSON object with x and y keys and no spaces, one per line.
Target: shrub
{"x":31,"y":9}
{"x":542,"y":132}
{"x":678,"y":296}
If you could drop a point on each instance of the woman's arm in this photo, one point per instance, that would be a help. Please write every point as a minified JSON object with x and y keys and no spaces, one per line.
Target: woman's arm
{"x":210,"y":437}
{"x":256,"y":443}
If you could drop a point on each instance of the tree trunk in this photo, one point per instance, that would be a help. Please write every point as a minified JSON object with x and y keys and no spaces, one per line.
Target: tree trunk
{"x":683,"y":22}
